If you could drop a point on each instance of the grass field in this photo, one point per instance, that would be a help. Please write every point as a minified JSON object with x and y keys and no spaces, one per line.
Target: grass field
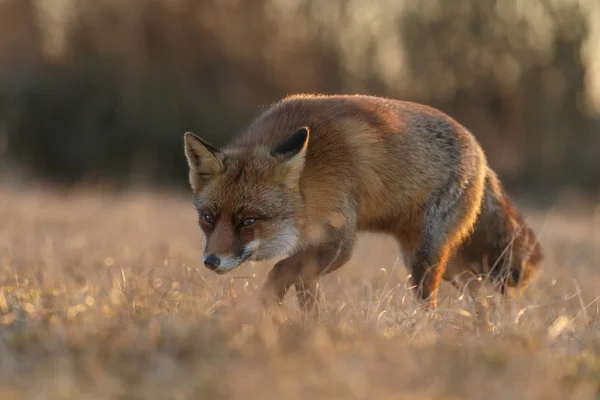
{"x":105,"y":297}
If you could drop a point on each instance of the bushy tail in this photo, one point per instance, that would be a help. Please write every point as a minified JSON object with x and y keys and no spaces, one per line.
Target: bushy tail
{"x":521,"y":254}
{"x":518,"y":269}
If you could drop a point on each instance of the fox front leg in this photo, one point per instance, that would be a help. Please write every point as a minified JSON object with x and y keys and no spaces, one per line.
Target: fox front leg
{"x":303,"y":270}
{"x":281,"y":278}
{"x":328,"y":257}
{"x":300,"y":271}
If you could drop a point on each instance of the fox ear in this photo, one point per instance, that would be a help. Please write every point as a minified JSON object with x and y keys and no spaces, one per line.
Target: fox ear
{"x":292,"y":154}
{"x":204,"y":160}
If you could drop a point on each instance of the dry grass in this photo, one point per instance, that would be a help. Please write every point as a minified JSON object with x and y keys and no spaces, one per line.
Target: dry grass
{"x":105,"y":297}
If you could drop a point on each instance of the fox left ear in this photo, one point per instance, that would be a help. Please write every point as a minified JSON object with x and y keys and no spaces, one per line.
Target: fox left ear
{"x":204,"y":160}
{"x":292,"y":154}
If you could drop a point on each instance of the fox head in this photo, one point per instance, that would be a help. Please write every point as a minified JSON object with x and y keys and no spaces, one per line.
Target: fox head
{"x":248,"y":199}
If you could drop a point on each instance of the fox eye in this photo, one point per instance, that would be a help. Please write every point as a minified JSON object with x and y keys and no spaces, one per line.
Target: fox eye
{"x":209,"y":218}
{"x":248,"y":221}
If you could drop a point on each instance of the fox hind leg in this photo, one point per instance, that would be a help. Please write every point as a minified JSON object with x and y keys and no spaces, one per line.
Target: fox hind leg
{"x":448,"y":219}
{"x":471,"y":285}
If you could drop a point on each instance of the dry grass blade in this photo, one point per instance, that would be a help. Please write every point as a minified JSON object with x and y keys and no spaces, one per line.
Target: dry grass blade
{"x":99,"y":301}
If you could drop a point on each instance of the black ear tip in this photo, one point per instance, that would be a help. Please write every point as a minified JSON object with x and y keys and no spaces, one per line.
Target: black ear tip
{"x":293,"y":144}
{"x":301,"y":136}
{"x":189,"y":135}
{"x":191,"y":138}
{"x":302,"y":133}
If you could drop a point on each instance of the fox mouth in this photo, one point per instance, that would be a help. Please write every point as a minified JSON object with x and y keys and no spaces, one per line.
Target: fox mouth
{"x":239,"y":261}
{"x":246,"y":256}
{"x":223,"y":271}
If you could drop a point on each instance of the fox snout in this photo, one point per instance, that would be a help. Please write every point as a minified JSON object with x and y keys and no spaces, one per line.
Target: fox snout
{"x":222,"y":263}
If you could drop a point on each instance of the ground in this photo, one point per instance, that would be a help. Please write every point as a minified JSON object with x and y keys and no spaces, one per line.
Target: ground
{"x":105,"y":296}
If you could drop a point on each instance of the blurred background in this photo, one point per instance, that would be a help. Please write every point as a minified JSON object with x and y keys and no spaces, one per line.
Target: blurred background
{"x":100,"y":92}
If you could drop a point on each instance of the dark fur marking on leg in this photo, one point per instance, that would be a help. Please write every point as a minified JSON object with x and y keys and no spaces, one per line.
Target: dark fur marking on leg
{"x":447,"y":221}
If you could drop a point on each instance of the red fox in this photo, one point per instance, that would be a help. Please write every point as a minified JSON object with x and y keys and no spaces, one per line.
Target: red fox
{"x":313,"y":170}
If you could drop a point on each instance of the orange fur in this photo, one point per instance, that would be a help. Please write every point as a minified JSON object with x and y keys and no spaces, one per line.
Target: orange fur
{"x":313,"y":170}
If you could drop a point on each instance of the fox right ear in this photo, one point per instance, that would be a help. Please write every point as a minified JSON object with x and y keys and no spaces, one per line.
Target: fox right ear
{"x":204,"y":160}
{"x":292,"y":154}
{"x":293,"y":146}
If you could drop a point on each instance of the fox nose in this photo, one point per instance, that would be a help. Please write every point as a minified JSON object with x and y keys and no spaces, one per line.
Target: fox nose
{"x":212,"y":262}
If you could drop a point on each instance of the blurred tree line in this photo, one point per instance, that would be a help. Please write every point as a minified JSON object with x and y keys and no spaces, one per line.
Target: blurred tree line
{"x":104,"y":89}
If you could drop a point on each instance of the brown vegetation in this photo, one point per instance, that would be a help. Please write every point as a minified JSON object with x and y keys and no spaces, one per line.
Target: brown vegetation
{"x":104,"y":296}
{"x":104,"y":89}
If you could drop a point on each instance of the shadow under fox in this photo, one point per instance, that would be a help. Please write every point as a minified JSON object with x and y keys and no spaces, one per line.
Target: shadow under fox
{"x":313,"y":170}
